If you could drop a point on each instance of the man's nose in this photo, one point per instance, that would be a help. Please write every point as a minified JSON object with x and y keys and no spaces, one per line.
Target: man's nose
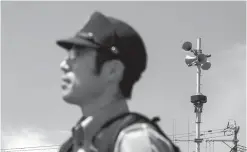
{"x":64,"y":66}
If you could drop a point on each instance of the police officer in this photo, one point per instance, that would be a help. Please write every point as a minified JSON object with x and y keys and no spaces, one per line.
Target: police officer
{"x":104,"y":60}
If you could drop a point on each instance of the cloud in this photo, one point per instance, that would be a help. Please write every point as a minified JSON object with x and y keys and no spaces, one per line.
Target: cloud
{"x":64,"y":132}
{"x":27,"y":137}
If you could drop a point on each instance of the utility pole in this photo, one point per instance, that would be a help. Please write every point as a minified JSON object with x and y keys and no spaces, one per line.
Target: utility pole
{"x":235,"y":139}
{"x":231,"y":128}
{"x":234,"y":129}
{"x":200,"y":61}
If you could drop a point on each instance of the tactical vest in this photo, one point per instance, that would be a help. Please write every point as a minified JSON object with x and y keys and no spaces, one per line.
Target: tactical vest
{"x":104,"y":140}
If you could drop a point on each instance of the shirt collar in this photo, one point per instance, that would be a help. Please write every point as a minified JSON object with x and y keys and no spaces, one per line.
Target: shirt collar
{"x":102,"y":116}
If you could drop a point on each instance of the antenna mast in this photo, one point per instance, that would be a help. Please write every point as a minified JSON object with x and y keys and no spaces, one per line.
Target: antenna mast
{"x":200,"y":61}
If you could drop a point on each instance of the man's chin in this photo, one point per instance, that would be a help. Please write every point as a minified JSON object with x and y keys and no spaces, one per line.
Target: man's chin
{"x":68,"y":98}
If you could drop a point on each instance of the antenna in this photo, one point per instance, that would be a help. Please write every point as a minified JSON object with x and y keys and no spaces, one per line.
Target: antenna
{"x":200,"y":61}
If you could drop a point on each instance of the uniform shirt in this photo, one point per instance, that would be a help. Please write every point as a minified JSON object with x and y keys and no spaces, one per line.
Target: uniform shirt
{"x":139,"y":137}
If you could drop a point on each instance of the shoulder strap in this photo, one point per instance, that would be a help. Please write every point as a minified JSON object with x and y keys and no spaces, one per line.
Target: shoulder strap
{"x":67,"y":146}
{"x":106,"y":137}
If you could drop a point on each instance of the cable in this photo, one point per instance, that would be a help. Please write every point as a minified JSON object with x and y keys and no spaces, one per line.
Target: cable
{"x":30,"y":149}
{"x":242,"y":146}
{"x":194,"y":132}
{"x":20,"y":148}
{"x":184,"y":136}
{"x":232,"y":148}
{"x":217,"y":136}
{"x":179,"y":137}
{"x":52,"y":146}
{"x":226,"y":144}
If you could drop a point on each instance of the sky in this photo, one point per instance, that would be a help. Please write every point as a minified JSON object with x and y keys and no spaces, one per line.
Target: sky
{"x":33,"y":112}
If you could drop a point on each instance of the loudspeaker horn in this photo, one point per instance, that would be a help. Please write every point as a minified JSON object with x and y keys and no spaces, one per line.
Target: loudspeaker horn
{"x":206,"y":65}
{"x":187,"y":46}
{"x":190,"y":59}
{"x":202,"y":58}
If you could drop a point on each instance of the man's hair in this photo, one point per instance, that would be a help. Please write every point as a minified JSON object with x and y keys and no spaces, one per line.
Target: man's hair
{"x":130,"y":75}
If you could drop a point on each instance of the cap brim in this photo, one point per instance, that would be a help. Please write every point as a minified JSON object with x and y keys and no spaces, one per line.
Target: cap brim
{"x":70,"y":42}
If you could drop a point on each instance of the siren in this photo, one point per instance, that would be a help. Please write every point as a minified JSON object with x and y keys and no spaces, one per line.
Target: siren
{"x":206,"y":65}
{"x":198,"y":58}
{"x":187,"y":46}
{"x":189,"y":60}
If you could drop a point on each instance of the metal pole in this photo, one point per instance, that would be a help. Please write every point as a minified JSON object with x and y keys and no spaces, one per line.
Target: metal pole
{"x":199,"y":99}
{"x":199,"y":45}
{"x":175,"y":129}
{"x":188,"y":135}
{"x":198,"y":76}
{"x":213,"y":146}
{"x":198,"y":121}
{"x":235,"y":140}
{"x":173,"y":138}
{"x":198,"y":92}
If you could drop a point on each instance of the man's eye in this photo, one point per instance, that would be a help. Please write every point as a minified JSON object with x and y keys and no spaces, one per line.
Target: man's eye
{"x":78,"y":53}
{"x":73,"y":54}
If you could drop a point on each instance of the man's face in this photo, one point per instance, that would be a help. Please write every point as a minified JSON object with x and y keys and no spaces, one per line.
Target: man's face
{"x":79,"y":81}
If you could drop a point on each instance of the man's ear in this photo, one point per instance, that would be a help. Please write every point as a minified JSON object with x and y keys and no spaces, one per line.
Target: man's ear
{"x":113,"y":70}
